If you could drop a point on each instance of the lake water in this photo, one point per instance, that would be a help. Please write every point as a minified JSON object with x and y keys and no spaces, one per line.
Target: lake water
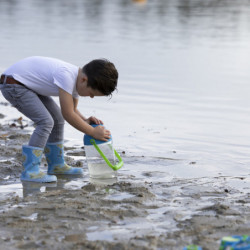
{"x":184,"y":86}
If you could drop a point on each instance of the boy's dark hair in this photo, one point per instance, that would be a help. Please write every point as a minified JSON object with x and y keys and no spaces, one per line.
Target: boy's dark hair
{"x":102,"y":75}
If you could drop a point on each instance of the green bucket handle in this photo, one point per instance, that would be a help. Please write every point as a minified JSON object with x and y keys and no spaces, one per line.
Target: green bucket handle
{"x":114,"y":167}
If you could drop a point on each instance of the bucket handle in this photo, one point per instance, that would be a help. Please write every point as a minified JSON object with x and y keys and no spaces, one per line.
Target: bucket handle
{"x":114,"y":167}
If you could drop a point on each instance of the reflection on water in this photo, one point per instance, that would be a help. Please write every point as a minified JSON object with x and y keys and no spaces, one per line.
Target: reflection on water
{"x":31,"y":188}
{"x":184,"y":70}
{"x":63,"y":182}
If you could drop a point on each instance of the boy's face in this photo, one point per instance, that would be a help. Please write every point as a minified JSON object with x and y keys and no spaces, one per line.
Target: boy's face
{"x":84,"y":90}
{"x":87,"y":91}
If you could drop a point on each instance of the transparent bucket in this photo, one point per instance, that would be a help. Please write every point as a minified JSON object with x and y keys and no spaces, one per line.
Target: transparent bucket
{"x":101,"y":157}
{"x":101,"y":160}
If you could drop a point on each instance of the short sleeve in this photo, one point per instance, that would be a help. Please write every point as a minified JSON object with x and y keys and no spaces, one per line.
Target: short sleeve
{"x":66,"y":80}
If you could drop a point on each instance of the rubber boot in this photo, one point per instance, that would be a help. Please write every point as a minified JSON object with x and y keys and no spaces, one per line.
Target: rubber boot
{"x":55,"y":158}
{"x":31,"y":162}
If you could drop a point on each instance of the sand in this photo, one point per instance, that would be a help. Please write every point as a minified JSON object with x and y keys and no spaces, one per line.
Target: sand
{"x":132,"y":212}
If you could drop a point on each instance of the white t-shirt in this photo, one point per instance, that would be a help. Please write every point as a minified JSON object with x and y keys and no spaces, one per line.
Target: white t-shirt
{"x":45,"y":75}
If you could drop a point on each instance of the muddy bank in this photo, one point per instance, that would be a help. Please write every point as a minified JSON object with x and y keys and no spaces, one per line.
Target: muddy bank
{"x":138,"y":211}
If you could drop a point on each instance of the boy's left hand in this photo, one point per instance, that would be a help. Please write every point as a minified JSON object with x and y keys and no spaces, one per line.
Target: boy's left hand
{"x":94,"y":120}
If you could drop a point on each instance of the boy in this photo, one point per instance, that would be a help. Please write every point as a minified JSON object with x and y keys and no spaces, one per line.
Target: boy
{"x":29,"y":84}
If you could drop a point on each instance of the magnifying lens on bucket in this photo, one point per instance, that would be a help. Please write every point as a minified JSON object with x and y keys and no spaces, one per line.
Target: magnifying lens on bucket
{"x":101,"y":157}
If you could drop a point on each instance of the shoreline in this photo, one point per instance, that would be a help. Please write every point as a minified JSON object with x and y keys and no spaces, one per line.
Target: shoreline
{"x":136,"y":212}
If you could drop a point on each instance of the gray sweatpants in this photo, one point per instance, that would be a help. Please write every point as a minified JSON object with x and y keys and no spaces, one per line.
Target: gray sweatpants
{"x":42,"y":110}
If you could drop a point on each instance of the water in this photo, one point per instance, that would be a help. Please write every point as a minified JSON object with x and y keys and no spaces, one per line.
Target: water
{"x":101,"y":170}
{"x":184,"y":72}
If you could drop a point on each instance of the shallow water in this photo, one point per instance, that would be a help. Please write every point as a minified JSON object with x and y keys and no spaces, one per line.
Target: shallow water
{"x":184,"y":74}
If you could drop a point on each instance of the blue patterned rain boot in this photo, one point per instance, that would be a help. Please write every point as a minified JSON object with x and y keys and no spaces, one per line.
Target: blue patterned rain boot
{"x":31,"y":162}
{"x":55,"y":157}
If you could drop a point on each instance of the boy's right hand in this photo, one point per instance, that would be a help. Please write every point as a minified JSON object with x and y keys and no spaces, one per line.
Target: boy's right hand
{"x":100,"y":133}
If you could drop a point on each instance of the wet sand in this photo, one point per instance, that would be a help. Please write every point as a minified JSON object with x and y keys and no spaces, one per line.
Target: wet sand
{"x":135,"y":212}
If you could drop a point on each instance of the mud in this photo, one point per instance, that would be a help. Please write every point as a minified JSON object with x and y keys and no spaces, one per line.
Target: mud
{"x":136,"y":211}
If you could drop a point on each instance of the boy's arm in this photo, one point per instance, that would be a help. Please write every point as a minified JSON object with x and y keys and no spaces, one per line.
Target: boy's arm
{"x":89,"y":120}
{"x":76,"y":110}
{"x":74,"y":119}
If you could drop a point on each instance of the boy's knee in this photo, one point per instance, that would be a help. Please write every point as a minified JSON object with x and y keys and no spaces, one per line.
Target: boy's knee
{"x":46,"y":124}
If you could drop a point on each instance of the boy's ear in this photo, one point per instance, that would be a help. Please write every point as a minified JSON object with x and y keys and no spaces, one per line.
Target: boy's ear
{"x":84,"y":78}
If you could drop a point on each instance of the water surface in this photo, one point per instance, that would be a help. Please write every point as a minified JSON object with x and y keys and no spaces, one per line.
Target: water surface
{"x":184,"y":72}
